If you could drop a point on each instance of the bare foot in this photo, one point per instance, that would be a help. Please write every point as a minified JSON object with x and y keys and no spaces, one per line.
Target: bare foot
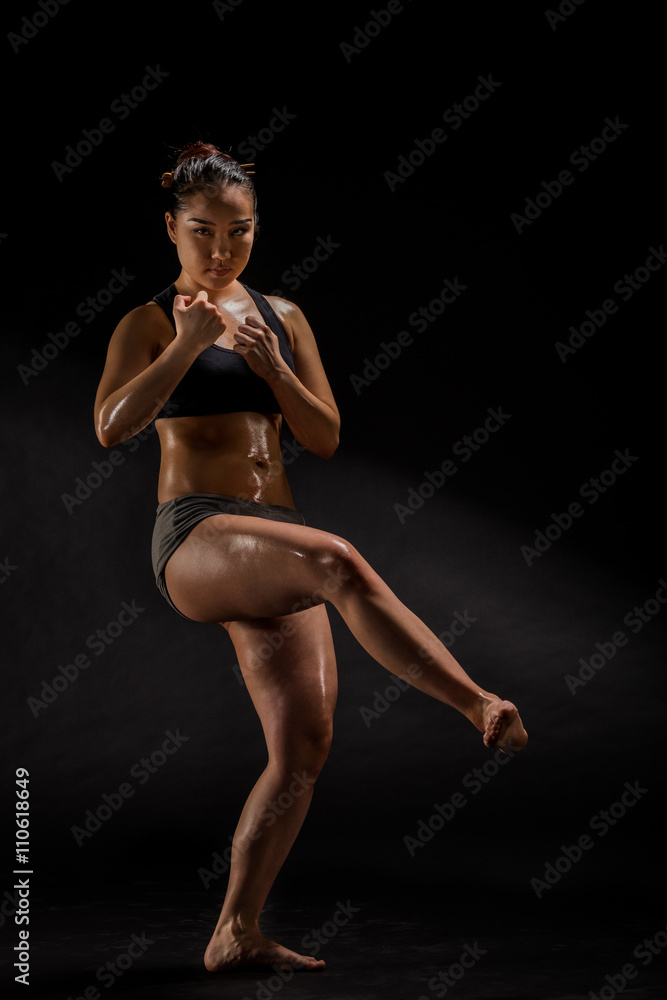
{"x":501,"y":725}
{"x":229,"y":952}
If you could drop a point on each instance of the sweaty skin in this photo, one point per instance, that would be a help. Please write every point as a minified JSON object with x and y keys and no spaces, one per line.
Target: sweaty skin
{"x":235,"y":454}
{"x":258,"y":577}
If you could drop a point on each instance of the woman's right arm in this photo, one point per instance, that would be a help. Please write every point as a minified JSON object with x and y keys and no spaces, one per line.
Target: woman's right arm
{"x":135,"y":384}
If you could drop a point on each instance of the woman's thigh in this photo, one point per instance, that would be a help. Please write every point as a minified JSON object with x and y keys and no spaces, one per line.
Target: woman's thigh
{"x":233,"y":568}
{"x":289,"y":668}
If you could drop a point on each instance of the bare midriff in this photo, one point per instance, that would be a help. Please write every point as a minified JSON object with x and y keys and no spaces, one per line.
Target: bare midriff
{"x":233,"y":454}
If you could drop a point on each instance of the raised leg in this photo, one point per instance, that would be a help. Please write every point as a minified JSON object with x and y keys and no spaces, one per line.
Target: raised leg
{"x":233,"y":568}
{"x":294,"y":689}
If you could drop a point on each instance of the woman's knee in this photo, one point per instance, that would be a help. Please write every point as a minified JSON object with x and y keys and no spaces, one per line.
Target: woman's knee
{"x":340,"y":568}
{"x":305,"y":753}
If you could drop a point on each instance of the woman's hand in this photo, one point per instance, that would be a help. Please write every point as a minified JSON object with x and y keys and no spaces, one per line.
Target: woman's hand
{"x":259,"y":346}
{"x":198,"y":322}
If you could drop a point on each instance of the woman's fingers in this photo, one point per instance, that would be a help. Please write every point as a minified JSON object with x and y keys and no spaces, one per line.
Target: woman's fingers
{"x":198,"y":320}
{"x":259,"y":346}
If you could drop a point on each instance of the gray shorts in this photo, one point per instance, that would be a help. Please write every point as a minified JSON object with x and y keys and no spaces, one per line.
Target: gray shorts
{"x":176,"y":518}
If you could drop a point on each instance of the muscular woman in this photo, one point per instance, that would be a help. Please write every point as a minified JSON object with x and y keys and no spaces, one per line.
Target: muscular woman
{"x":218,"y":366}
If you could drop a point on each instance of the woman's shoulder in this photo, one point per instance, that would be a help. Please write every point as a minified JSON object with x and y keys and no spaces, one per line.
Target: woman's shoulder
{"x":290,"y":316}
{"x":146,"y":327}
{"x":296,"y":325}
{"x":285,"y":310}
{"x":149,"y":315}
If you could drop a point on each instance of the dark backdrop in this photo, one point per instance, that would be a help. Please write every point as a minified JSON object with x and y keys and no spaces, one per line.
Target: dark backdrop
{"x":358,"y":161}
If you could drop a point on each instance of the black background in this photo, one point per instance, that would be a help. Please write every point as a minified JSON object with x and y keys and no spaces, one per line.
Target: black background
{"x":68,"y":570}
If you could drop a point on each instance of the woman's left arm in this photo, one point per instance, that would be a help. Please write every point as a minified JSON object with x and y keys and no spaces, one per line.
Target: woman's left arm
{"x":305,"y":398}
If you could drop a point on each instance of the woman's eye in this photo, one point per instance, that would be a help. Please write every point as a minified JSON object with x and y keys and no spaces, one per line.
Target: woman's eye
{"x":235,"y":232}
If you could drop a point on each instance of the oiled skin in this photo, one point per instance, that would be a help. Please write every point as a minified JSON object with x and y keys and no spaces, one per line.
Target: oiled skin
{"x":235,"y":454}
{"x":267,"y":582}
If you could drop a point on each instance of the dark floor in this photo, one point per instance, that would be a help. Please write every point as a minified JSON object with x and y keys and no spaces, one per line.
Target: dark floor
{"x":418,"y":945}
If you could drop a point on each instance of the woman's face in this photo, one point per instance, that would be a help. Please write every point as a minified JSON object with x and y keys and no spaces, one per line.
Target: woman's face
{"x":214,"y":236}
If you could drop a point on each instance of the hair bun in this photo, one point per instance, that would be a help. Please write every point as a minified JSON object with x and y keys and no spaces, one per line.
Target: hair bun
{"x":198,"y":149}
{"x":202,"y":168}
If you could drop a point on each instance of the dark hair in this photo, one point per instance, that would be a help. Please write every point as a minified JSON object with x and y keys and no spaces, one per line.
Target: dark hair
{"x":202,"y":167}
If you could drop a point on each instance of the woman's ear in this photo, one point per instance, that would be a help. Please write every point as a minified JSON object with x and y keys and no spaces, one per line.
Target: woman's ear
{"x":171,"y":226}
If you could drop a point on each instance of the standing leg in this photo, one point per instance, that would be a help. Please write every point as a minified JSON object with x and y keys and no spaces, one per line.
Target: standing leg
{"x":294,"y":691}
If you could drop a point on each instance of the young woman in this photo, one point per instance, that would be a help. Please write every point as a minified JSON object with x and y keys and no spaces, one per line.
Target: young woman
{"x":218,"y":366}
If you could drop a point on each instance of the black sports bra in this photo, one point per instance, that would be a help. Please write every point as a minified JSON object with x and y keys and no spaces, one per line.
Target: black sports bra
{"x":219,"y":380}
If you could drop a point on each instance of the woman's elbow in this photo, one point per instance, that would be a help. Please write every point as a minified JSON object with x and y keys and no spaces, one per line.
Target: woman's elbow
{"x":107,"y":434}
{"x":107,"y":441}
{"x":103,"y":432}
{"x":328,"y":447}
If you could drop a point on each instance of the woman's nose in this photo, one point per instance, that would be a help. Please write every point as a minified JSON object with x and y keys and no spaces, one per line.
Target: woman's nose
{"x":221,"y":252}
